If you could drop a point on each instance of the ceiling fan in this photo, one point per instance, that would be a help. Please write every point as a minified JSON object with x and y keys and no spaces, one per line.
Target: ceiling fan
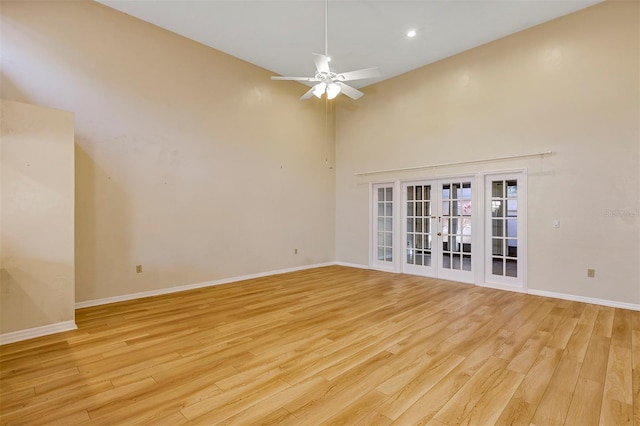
{"x":330,"y":82}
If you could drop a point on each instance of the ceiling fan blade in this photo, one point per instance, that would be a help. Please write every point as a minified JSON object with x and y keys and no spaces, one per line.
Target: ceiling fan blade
{"x":350,"y":91}
{"x":322,"y":63}
{"x":307,"y":95}
{"x":359,"y":74}
{"x":294,"y":78}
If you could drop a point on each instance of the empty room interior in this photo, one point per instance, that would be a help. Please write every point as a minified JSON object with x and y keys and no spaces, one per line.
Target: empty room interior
{"x":431,"y":215}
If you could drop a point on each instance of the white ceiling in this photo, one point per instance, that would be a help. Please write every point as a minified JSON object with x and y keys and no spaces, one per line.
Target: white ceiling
{"x":281,"y":35}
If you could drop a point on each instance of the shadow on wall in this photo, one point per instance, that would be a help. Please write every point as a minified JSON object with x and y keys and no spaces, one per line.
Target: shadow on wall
{"x":23,"y":290}
{"x":100,"y":247}
{"x":9,"y":87}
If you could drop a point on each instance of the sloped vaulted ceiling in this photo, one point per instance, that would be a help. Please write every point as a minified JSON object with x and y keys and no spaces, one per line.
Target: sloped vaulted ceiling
{"x":281,"y":35}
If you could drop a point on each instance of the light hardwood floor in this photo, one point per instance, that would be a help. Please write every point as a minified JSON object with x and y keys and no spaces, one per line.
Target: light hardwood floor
{"x":336,"y":346}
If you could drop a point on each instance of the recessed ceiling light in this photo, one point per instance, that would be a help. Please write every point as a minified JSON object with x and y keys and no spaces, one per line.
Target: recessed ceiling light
{"x":411,"y":33}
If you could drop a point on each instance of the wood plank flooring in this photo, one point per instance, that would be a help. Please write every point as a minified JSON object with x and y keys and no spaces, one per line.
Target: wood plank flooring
{"x":331,"y":345}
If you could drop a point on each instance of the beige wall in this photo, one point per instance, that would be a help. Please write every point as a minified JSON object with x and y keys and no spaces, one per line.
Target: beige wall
{"x":189,"y":162}
{"x":36,"y":218}
{"x":570,"y":86}
{"x":197,"y":166}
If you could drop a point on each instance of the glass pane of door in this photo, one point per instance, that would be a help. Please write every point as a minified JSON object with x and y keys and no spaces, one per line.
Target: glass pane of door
{"x":418,"y":225}
{"x":504,"y":235}
{"x":504,"y":228}
{"x":455,"y":222}
{"x":383,"y":224}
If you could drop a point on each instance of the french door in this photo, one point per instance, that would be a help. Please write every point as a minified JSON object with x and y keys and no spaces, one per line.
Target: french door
{"x":437,"y":229}
{"x":505,"y":230}
{"x":468,"y":229}
{"x":382,"y":256}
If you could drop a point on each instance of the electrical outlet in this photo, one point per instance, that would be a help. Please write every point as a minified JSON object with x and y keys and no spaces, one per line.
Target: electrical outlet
{"x":138,"y":269}
{"x":591,"y":273}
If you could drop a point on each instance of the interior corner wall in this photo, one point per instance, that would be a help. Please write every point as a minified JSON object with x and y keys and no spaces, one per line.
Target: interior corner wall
{"x":189,"y":162}
{"x":570,"y":86}
{"x":37,"y":286}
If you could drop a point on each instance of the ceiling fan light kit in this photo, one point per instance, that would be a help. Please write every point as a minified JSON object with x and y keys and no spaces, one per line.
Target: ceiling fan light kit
{"x":333,"y":90}
{"x":319,"y":89}
{"x":329,"y":82}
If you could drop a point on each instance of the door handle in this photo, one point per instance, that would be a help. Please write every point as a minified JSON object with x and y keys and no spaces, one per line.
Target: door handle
{"x":439,"y":234}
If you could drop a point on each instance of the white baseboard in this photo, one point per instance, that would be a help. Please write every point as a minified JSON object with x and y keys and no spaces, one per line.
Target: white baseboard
{"x":571,"y":297}
{"x":352,"y":265}
{"x":132,"y":296}
{"x":169,"y":290}
{"x":583,"y":299}
{"x":30,"y":333}
{"x":504,"y":287}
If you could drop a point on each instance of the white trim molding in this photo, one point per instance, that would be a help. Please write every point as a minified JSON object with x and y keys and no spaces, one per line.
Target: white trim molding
{"x":456,"y":163}
{"x":583,"y":299}
{"x":503,"y":287}
{"x":357,"y":265}
{"x":30,"y":333}
{"x":161,"y":291}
